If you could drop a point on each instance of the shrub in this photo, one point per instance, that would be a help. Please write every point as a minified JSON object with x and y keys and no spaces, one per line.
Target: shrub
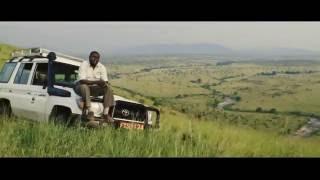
{"x":237,"y":98}
{"x":259,"y":109}
{"x":141,"y":101}
{"x":273,"y":110}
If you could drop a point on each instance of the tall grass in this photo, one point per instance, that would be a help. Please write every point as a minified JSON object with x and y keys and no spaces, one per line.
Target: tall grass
{"x":179,"y":136}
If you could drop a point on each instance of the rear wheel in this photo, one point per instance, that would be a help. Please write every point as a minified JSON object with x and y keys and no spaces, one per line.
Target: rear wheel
{"x":5,"y":109}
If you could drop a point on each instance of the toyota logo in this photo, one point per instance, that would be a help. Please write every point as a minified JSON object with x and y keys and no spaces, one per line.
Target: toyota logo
{"x":125,"y":112}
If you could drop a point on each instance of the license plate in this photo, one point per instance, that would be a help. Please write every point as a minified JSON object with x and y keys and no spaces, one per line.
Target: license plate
{"x":131,"y":125}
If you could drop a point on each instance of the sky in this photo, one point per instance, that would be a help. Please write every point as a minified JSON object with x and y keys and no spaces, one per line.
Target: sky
{"x":82,"y":37}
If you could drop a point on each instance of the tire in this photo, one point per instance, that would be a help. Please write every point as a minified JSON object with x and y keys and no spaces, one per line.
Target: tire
{"x":60,"y":116}
{"x":5,"y":109}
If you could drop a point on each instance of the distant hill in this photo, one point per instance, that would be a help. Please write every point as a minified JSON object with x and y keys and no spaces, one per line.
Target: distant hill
{"x":280,"y":53}
{"x":177,"y":49}
{"x":221,"y":52}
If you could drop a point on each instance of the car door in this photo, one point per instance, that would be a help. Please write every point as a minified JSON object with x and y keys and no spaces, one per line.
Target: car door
{"x":39,"y":95}
{"x":21,"y":92}
{"x":30,"y":99}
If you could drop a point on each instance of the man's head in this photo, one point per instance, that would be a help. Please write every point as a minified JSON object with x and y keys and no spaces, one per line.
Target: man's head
{"x":94,"y":58}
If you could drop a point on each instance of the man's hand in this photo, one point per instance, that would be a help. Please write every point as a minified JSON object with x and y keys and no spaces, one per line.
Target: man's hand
{"x":101,"y":83}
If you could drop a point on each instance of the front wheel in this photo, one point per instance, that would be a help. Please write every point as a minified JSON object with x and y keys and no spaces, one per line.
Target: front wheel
{"x":60,"y":115}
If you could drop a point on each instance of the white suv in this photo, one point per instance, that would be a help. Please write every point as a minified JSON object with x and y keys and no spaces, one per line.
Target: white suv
{"x":38,"y":84}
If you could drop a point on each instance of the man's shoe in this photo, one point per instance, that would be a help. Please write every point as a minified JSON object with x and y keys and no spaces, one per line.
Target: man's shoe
{"x":90,"y":116}
{"x":92,"y":124}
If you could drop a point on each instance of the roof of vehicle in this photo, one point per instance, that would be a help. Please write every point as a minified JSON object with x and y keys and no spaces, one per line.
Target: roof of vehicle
{"x":40,"y":54}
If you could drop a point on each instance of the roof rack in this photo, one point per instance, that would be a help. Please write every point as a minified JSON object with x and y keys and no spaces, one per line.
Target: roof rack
{"x":40,"y":52}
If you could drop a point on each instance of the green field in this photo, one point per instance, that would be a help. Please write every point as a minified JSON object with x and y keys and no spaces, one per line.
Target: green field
{"x":179,"y":136}
{"x":187,"y":90}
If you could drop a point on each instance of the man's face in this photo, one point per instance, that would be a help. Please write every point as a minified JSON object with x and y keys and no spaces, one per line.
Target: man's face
{"x":94,"y":59}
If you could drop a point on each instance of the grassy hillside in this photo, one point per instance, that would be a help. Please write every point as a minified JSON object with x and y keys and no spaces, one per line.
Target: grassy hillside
{"x":5,"y":52}
{"x":187,"y":93}
{"x":179,"y":136}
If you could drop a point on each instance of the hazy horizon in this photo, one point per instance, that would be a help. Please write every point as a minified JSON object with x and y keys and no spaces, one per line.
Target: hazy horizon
{"x":110,"y":37}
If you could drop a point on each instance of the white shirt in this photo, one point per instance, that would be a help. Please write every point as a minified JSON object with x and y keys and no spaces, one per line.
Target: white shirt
{"x":86,"y":72}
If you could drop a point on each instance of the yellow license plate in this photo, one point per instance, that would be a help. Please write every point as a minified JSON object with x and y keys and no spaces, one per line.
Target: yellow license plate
{"x":131,"y":125}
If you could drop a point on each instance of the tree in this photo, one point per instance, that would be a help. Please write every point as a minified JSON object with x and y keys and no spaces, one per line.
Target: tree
{"x":141,"y":101}
{"x":237,"y":98}
{"x":259,"y":109}
{"x":179,"y":96}
{"x":273,"y":110}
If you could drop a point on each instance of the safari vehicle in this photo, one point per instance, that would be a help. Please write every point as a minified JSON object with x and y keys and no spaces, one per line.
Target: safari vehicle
{"x":38,"y":84}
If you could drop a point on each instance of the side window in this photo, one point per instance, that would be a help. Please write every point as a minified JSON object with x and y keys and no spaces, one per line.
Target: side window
{"x":65,"y":74}
{"x":23,"y":73}
{"x":6,"y":72}
{"x":40,"y":74}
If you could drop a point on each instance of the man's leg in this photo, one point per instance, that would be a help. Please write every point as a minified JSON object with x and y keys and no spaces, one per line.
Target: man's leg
{"x":85,"y":94}
{"x":106,"y":92}
{"x":84,"y":91}
{"x":108,"y":99}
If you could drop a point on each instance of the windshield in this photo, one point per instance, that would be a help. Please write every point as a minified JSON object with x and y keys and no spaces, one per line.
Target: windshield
{"x":6,"y":72}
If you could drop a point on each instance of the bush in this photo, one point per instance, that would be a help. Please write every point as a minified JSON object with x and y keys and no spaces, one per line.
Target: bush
{"x":141,"y":101}
{"x":179,"y":96}
{"x":298,"y":113}
{"x":237,"y":98}
{"x":273,"y":110}
{"x":157,"y":102}
{"x":205,"y":86}
{"x":259,"y":109}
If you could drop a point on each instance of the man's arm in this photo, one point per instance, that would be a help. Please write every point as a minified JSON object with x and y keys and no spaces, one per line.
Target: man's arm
{"x":88,"y":82}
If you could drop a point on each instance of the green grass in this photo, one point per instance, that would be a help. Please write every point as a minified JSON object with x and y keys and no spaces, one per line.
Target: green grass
{"x":179,"y":136}
{"x":190,"y":125}
{"x":285,"y":93}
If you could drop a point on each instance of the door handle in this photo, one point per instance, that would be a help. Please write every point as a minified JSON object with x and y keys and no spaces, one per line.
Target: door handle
{"x":32,"y":100}
{"x":29,"y":93}
{"x":10,"y":91}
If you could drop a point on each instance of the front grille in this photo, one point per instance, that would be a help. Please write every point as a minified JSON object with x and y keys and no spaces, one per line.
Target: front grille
{"x":129,"y":111}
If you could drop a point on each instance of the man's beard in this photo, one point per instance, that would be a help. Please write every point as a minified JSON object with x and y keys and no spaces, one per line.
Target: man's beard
{"x":92,"y":64}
